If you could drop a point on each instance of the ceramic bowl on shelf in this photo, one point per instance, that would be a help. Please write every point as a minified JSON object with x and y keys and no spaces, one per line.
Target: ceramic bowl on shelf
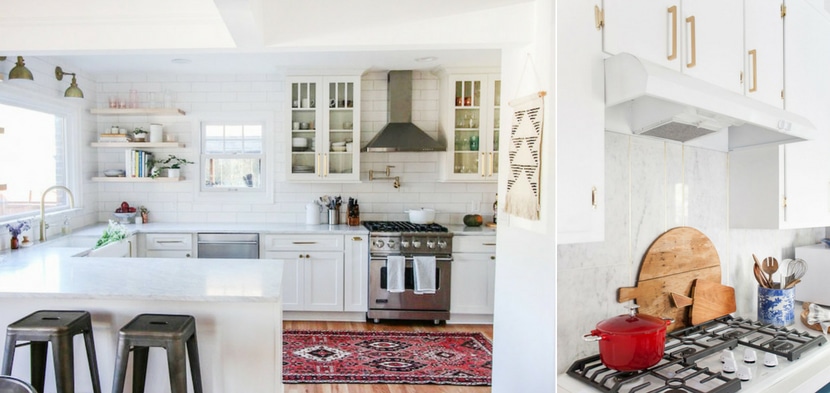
{"x":114,"y":173}
{"x":299,"y":142}
{"x":124,"y":218}
{"x":338,"y":148}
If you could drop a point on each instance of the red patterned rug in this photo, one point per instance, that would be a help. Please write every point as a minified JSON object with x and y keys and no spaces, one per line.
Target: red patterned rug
{"x":386,"y":357}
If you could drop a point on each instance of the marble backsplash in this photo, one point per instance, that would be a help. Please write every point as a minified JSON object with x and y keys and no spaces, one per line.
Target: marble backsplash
{"x":653,"y":186}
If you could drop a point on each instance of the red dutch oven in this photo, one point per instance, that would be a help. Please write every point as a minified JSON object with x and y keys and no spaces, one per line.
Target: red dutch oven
{"x":630,"y":342}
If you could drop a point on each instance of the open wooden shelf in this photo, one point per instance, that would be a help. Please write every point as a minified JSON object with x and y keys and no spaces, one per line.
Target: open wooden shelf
{"x":159,"y":179}
{"x":138,"y":111}
{"x":130,"y":145}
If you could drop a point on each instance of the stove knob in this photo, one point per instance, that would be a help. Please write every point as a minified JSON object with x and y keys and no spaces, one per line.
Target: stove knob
{"x":416,"y":243}
{"x":442,"y":244}
{"x":749,"y":356}
{"x":744,"y":373}
{"x":430,"y":244}
{"x":391,"y":243}
{"x":379,"y":243}
{"x":405,"y":243}
{"x":770,"y":360}
{"x":729,"y":366}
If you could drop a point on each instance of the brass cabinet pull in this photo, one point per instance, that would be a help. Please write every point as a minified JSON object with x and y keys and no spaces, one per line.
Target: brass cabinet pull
{"x":491,"y":163}
{"x":307,"y":256}
{"x":493,"y":257}
{"x":318,"y":170}
{"x":325,"y":164}
{"x":673,"y":12}
{"x":599,"y":18}
{"x":301,"y":256}
{"x":168,"y":241}
{"x":754,"y":54}
{"x":481,"y":169}
{"x":303,"y":242}
{"x":488,"y":244}
{"x":357,"y":238}
{"x":691,"y":22}
{"x":594,"y":197}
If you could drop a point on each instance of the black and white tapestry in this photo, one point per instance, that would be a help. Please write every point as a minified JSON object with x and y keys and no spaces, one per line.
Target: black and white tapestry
{"x":523,"y":192}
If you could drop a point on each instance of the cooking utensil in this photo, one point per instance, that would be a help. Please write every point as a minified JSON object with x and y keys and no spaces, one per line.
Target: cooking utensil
{"x":671,"y":264}
{"x":759,"y":276}
{"x":769,"y":265}
{"x":795,"y":270}
{"x":792,"y":284}
{"x":709,"y":300}
{"x":630,"y":342}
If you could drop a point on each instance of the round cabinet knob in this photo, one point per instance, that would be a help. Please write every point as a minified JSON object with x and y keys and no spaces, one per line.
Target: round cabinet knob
{"x":442,"y":244}
{"x":404,"y":244}
{"x":379,"y":243}
{"x":430,"y":244}
{"x":416,"y":244}
{"x":301,"y":256}
{"x":391,"y":243}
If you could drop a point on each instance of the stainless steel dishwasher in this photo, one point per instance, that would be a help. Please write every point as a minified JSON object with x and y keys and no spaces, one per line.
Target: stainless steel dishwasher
{"x":228,"y":245}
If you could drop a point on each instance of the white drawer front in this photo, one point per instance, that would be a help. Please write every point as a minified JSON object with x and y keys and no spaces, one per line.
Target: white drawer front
{"x":304,"y":242}
{"x":474,"y":244}
{"x":169,"y":254}
{"x":169,"y":241}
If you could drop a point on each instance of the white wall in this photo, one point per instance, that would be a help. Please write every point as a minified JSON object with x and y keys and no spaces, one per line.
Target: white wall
{"x":264,"y":96}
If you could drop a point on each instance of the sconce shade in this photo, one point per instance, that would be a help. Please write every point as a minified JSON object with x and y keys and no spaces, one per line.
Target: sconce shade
{"x":20,"y":71}
{"x":73,"y":91}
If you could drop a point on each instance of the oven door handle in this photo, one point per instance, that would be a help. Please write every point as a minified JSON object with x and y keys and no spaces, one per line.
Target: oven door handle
{"x":411,"y":259}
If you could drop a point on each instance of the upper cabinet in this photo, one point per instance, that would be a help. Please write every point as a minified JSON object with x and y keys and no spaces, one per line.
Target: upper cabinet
{"x":764,"y":51}
{"x":325,"y":128}
{"x":471,"y":114}
{"x":580,"y":125}
{"x":701,"y":38}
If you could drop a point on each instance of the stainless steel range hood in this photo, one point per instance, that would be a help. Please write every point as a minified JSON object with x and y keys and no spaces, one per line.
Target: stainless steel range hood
{"x":647,"y":99}
{"x":400,"y":134}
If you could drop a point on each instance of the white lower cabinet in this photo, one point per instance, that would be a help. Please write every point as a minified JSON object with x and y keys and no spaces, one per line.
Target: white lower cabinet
{"x":166,"y":245}
{"x":356,"y":274}
{"x":473,"y":275}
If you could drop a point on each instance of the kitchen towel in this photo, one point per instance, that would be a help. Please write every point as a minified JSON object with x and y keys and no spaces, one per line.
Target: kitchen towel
{"x":424,"y":275}
{"x":395,"y":270}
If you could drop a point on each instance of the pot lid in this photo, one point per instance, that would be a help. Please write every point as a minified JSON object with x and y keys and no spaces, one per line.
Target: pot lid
{"x":631,"y":323}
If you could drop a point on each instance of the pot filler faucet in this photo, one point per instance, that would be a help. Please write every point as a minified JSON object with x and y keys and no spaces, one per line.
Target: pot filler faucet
{"x":43,"y":225}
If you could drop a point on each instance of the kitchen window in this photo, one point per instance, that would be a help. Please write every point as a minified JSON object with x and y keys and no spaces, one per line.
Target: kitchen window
{"x":34,"y":155}
{"x":232,"y":156}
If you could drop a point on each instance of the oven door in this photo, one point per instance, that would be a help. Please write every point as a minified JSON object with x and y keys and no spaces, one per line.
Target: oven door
{"x":380,"y":298}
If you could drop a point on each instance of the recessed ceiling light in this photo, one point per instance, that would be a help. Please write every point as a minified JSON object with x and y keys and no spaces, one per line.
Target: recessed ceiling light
{"x":180,"y":61}
{"x":426,"y":59}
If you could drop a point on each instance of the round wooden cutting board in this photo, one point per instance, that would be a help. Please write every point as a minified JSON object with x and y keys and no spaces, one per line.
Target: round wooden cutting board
{"x":672,"y":263}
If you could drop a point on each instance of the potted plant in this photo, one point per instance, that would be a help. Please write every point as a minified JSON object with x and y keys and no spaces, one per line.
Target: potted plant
{"x":173,"y":165}
{"x":139,"y":135}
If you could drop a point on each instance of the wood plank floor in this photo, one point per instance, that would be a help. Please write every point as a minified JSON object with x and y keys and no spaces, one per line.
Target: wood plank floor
{"x":414,"y":326}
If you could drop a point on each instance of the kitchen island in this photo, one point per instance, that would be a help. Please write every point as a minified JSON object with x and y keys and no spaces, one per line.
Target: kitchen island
{"x":237,"y":305}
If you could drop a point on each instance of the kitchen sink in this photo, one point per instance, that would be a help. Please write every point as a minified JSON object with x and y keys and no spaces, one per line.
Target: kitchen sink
{"x":72,"y":242}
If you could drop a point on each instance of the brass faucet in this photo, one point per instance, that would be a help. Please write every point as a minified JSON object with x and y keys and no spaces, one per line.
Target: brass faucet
{"x":43,"y":225}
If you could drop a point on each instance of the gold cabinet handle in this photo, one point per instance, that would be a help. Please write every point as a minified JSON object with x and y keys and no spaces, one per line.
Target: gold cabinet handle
{"x":599,"y":19}
{"x":303,"y":242}
{"x":492,"y":257}
{"x":481,"y":169}
{"x":491,"y":163}
{"x":325,"y":168}
{"x":594,"y":197}
{"x":318,"y":170}
{"x":754,"y":55}
{"x":691,"y":22}
{"x":357,"y":238}
{"x":488,"y":244}
{"x":673,"y":52}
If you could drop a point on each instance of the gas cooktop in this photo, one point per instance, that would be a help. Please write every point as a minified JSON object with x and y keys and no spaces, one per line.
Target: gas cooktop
{"x":693,"y":359}
{"x":402,"y":226}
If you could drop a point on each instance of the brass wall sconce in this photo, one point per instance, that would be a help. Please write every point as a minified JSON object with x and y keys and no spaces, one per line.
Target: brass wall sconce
{"x":73,"y":91}
{"x":20,"y":71}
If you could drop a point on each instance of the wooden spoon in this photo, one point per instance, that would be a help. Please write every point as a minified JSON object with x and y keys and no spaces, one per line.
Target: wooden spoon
{"x":769,"y":266}
{"x":762,"y":281}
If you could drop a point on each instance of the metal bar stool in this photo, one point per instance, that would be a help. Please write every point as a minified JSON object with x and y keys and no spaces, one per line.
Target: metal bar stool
{"x":171,"y":332}
{"x":57,"y":327}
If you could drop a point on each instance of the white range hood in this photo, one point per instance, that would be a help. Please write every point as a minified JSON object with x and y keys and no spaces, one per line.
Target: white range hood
{"x":647,"y":99}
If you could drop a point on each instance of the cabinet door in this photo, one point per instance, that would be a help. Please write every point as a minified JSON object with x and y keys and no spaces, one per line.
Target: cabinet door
{"x":764,"y":51}
{"x":292,"y":279}
{"x":341,"y":154}
{"x":580,"y":127}
{"x":473,"y":278}
{"x":356,"y":274}
{"x":469,"y":118}
{"x":713,"y":34}
{"x":305,"y":96}
{"x":495,"y":128}
{"x":323,"y":281}
{"x":644,"y":28}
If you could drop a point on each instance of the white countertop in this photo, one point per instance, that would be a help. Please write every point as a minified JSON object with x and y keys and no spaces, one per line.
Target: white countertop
{"x":262,"y":227}
{"x":463,"y":230}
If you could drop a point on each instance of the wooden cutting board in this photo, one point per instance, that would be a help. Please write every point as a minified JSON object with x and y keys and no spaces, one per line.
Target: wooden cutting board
{"x":671,"y":265}
{"x":709,"y":300}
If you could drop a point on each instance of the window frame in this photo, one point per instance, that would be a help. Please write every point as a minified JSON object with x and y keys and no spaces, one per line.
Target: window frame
{"x":262,"y":194}
{"x":71,"y":112}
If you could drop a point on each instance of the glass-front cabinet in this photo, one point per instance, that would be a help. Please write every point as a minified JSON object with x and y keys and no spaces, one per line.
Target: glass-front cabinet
{"x":325,"y":128}
{"x":474,"y":137}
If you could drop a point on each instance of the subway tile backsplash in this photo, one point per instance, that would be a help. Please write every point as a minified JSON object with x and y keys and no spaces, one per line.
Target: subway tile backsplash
{"x":260,"y":96}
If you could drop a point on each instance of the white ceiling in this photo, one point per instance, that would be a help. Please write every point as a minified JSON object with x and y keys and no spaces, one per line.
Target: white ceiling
{"x":255,"y":36}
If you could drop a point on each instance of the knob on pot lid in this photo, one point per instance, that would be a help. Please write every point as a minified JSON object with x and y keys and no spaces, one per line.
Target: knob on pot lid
{"x":632,"y":323}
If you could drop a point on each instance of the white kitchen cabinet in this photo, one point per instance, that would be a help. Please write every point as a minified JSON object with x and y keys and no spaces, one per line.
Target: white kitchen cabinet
{"x":579,"y":121}
{"x":701,"y":38}
{"x":356,"y":274}
{"x":784,"y":187}
{"x":124,"y":248}
{"x":472,"y":126}
{"x":325,"y":128}
{"x":764,"y":51}
{"x":473,"y":276}
{"x":166,"y":245}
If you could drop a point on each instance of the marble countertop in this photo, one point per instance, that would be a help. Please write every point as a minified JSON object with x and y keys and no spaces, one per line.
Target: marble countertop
{"x":462,"y":230}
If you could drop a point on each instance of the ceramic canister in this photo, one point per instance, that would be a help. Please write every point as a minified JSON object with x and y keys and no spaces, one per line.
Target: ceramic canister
{"x":776,"y":306}
{"x":312,"y":214}
{"x":155,"y":133}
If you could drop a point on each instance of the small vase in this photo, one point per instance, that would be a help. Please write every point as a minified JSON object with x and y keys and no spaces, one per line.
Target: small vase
{"x":145,"y":218}
{"x":15,"y":243}
{"x":173,"y":172}
{"x":26,"y":242}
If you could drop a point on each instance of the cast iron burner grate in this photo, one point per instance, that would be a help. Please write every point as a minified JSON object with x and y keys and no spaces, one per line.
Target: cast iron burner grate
{"x":787,"y":343}
{"x":402,"y":226}
{"x":670,"y":375}
{"x":696,"y":342}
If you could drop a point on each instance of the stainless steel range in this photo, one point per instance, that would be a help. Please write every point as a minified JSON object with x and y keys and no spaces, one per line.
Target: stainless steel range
{"x":723,"y":355}
{"x":393,"y":238}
